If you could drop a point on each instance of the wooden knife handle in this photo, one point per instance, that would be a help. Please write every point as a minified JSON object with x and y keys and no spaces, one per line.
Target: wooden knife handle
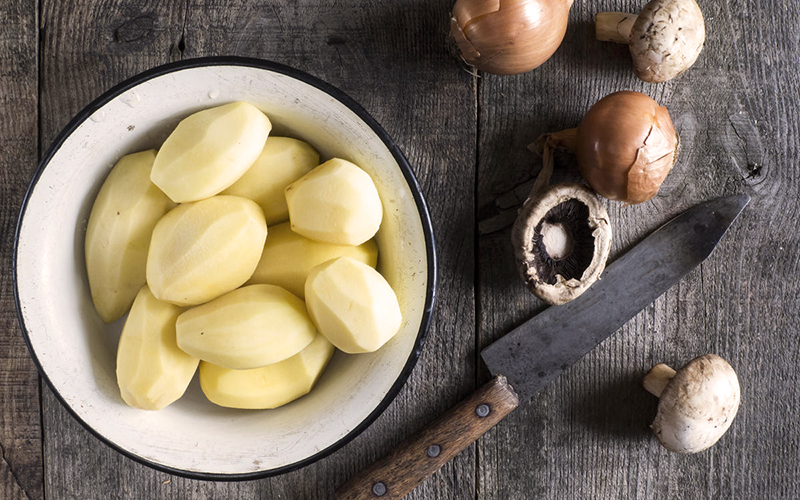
{"x":417,"y":458}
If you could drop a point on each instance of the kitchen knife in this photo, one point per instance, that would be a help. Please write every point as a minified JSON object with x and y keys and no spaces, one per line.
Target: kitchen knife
{"x":530,"y":356}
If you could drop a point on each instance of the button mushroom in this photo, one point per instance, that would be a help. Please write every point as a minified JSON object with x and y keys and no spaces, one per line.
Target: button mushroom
{"x":561,"y":241}
{"x":664,"y":39}
{"x":697,"y":403}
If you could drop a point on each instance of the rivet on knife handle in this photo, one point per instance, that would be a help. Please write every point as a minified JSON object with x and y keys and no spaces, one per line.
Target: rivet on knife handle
{"x":417,"y":458}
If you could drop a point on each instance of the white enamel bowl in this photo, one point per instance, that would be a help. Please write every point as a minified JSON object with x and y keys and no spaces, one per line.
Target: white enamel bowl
{"x":75,"y":351}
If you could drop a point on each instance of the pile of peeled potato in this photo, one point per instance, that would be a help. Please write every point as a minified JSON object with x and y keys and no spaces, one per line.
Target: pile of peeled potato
{"x":238,"y":253}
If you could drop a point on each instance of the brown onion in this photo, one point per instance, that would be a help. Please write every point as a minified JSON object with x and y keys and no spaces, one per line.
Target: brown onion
{"x":511,"y":37}
{"x":625,"y":146}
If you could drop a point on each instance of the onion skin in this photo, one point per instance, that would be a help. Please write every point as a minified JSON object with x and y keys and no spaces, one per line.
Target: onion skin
{"x":625,"y":146}
{"x":508,"y":37}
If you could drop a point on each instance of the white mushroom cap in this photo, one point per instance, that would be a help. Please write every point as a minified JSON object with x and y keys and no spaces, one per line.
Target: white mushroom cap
{"x":698,"y":404}
{"x":666,"y":39}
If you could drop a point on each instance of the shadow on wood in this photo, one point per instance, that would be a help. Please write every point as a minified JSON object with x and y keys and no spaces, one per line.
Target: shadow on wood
{"x":620,"y":409}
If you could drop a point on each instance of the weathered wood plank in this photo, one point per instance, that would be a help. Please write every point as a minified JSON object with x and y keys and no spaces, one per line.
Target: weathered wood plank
{"x":20,"y":430}
{"x":86,"y":48}
{"x":392,"y":59}
{"x":416,"y":459}
{"x":424,"y":100}
{"x":586,"y":435}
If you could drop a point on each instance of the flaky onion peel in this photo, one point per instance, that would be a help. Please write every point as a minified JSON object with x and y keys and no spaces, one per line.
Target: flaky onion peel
{"x":625,"y":145}
{"x":507,"y":37}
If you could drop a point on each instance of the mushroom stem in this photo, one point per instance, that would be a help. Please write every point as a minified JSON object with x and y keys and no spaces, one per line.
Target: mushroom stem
{"x":614,"y":26}
{"x":657,"y":379}
{"x":557,"y":240}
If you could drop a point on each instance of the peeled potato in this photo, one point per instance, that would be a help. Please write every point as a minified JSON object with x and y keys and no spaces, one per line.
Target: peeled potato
{"x":337,"y":203}
{"x":124,"y":213}
{"x":270,"y":386}
{"x":352,"y":305}
{"x":204,"y":249}
{"x":152,"y":371}
{"x":249,"y":327}
{"x":209,"y":150}
{"x":288,"y":258}
{"x":283,"y":161}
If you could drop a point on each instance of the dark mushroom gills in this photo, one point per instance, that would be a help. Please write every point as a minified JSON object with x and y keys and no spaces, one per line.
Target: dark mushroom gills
{"x":561,"y":240}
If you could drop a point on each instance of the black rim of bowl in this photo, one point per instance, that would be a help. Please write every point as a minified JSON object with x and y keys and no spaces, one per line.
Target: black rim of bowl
{"x":407,"y":173}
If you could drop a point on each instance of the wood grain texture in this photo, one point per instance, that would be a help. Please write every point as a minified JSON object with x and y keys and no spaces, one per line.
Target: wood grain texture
{"x":85,"y":49}
{"x":417,"y":458}
{"x":20,"y":430}
{"x":397,"y":48}
{"x":391,"y":58}
{"x":586,"y":435}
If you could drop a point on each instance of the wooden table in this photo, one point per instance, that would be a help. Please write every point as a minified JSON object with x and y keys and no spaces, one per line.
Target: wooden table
{"x":465,"y":134}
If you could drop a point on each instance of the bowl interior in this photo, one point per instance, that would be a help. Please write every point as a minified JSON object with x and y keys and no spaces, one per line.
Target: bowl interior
{"x":76,"y":351}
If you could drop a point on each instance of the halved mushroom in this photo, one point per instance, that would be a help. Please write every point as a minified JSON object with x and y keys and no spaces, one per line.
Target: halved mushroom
{"x":561,"y":239}
{"x":664,"y":39}
{"x":697,"y":404}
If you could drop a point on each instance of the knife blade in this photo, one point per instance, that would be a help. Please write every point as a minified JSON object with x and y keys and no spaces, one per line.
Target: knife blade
{"x":533,"y":354}
{"x":539,"y":350}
